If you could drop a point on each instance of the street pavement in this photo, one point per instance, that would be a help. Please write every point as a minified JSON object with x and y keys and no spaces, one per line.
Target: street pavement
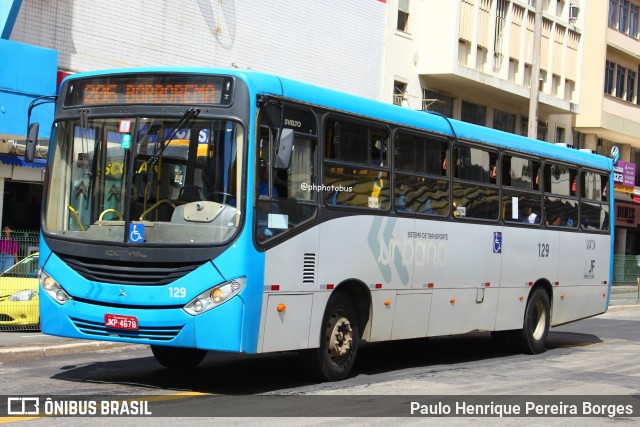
{"x":19,"y":345}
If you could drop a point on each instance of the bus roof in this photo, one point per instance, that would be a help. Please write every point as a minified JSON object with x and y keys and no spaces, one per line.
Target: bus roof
{"x":259,"y":82}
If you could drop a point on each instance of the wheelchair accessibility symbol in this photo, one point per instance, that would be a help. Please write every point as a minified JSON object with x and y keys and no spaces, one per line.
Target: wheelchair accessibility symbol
{"x":136,"y":233}
{"x":497,"y":242}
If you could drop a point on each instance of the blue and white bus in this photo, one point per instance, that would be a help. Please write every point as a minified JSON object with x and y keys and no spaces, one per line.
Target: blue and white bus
{"x":196,"y":209}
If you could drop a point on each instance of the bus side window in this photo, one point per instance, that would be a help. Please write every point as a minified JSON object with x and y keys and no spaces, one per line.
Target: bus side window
{"x":356,"y":166}
{"x":286,"y":198}
{"x":475,"y":193}
{"x":420,"y":162}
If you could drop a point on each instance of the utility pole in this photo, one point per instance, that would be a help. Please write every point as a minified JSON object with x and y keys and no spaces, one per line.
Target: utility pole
{"x":535,"y":73}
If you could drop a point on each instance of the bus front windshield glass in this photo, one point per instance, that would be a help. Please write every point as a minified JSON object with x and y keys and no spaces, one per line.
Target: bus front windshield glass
{"x":145,"y":180}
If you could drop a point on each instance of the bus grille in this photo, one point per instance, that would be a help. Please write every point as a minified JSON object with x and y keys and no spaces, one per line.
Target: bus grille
{"x":162,"y":333}
{"x":127,"y":272}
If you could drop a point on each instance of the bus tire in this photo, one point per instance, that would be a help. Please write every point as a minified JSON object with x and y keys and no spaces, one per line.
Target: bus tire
{"x":535,"y":329}
{"x":339,"y":340}
{"x":178,"y":357}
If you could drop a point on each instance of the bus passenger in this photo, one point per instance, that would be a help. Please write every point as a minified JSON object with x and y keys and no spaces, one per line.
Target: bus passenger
{"x":531,"y":216}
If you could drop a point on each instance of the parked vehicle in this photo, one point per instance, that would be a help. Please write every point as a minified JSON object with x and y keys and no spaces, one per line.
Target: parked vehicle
{"x":19,"y":294}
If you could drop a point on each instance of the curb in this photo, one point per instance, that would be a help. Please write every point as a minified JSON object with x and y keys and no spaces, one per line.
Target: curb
{"x":626,"y":307}
{"x":30,"y":353}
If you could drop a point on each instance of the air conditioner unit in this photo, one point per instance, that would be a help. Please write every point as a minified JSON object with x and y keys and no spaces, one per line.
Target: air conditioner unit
{"x":573,"y":12}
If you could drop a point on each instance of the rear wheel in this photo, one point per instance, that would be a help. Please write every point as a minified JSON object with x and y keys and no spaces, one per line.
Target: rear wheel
{"x":178,"y":357}
{"x":339,"y":340}
{"x":533,"y":337}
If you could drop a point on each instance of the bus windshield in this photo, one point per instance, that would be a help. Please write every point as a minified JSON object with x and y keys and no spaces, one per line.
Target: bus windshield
{"x":170,"y":180}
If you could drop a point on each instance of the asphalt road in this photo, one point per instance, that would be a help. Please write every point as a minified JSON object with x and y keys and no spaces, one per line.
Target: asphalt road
{"x":595,"y":357}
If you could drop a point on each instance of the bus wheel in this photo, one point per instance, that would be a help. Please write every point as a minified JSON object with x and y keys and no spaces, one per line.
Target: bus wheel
{"x":536,"y":323}
{"x":339,"y":340}
{"x":178,"y":357}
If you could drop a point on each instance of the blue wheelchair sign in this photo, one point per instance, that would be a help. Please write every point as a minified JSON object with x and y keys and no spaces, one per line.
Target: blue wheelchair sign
{"x":136,"y":233}
{"x":497,"y":242}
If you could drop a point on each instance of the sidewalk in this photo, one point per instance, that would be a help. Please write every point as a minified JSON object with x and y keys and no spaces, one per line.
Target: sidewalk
{"x":26,"y":345}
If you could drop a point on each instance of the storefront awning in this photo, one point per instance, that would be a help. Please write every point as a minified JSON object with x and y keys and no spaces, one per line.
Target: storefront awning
{"x":12,"y":160}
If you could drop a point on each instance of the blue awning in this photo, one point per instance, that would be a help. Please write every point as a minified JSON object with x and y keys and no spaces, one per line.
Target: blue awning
{"x":13,"y":160}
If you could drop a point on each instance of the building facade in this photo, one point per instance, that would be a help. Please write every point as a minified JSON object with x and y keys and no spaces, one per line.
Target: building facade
{"x":472,"y":60}
{"x":609,"y":114}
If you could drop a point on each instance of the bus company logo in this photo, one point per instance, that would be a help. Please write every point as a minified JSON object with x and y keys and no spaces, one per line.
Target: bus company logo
{"x":589,"y":269}
{"x":591,"y":245}
{"x":403,"y":253}
{"x":293,"y":123}
{"x":134,"y":253}
{"x":23,"y":406}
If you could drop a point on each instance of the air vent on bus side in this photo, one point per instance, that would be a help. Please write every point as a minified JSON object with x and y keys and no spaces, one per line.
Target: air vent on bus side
{"x":309,"y":269}
{"x":149,"y":274}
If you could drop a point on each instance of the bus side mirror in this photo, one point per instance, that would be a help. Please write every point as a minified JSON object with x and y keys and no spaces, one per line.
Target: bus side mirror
{"x":32,"y":142}
{"x":285,"y":146}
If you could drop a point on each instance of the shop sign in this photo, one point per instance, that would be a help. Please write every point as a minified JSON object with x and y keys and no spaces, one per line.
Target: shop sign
{"x":627,"y":215}
{"x":624,"y":176}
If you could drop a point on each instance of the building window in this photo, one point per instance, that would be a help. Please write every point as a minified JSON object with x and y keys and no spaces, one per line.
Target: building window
{"x":524,"y":126}
{"x":543,"y":129}
{"x":578,"y":139}
{"x":438,"y":102}
{"x":569,"y":88}
{"x":631,"y":83}
{"x":620,"y":73}
{"x":501,"y":15}
{"x":403,"y":15}
{"x":608,"y":77}
{"x":474,"y":113}
{"x":623,"y":16}
{"x":633,"y":21}
{"x":399,"y":92}
{"x":555,"y":84}
{"x":638,"y":93}
{"x":504,"y":121}
{"x":559,"y":135}
{"x":613,"y":15}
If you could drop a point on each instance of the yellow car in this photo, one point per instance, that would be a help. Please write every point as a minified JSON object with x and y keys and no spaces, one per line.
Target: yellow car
{"x":19,"y":294}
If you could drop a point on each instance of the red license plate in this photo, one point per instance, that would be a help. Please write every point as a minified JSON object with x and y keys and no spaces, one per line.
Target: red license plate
{"x":119,"y":321}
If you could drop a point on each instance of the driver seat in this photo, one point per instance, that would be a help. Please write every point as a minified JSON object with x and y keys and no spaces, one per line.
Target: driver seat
{"x":190,"y":193}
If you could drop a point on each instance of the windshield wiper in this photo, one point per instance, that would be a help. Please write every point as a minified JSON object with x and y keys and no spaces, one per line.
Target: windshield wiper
{"x":188,"y":115}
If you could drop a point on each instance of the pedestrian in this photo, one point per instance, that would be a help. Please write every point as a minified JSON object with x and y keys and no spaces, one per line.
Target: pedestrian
{"x":8,"y":249}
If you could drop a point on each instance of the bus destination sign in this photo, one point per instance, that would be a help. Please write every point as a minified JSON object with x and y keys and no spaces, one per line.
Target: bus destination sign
{"x":182,"y":89}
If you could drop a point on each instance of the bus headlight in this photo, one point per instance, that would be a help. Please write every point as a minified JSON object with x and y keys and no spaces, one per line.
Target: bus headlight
{"x":52,"y":288}
{"x":214,"y":296}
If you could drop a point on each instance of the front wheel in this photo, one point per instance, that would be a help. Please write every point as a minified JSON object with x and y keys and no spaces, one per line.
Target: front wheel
{"x":178,"y":357}
{"x":537,"y":317}
{"x":339,"y":340}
